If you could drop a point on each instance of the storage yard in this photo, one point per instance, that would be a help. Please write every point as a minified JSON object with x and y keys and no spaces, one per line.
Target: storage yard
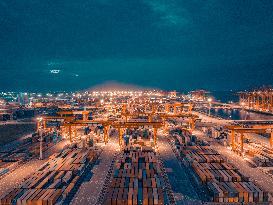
{"x":10,"y":132}
{"x":136,"y":178}
{"x":54,"y":180}
{"x":150,"y":149}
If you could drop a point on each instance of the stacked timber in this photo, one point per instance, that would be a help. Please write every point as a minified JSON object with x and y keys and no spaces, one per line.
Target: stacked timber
{"x":54,"y":181}
{"x":136,"y":179}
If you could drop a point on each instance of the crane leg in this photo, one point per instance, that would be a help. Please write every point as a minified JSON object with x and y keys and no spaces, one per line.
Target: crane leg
{"x":70,"y":134}
{"x":232,"y":139}
{"x":120,"y":136}
{"x":242,"y":143}
{"x":155,"y":135}
{"x":271,"y":139}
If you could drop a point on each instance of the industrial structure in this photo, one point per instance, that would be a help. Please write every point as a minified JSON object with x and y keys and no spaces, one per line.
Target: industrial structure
{"x":260,"y":100}
{"x":139,"y":147}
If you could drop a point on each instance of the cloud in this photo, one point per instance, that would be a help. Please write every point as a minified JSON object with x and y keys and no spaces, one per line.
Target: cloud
{"x":169,"y":13}
{"x":104,"y":2}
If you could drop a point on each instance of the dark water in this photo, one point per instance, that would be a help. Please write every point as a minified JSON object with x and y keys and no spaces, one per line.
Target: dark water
{"x":236,"y":114}
{"x":225,"y":96}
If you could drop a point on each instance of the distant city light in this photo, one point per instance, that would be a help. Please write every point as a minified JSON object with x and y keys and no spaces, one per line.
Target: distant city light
{"x":54,"y":71}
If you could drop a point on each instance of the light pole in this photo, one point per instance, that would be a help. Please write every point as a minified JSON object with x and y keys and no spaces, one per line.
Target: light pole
{"x":243,"y":109}
{"x":209,"y":100}
{"x":40,"y":119}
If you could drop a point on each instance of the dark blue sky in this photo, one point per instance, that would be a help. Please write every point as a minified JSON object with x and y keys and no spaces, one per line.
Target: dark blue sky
{"x":169,"y":44}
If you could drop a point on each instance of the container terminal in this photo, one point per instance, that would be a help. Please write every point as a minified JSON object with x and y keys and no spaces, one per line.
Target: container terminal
{"x":133,"y":147}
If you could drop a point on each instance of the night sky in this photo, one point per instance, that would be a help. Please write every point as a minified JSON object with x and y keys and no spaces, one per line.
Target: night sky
{"x":167,"y":44}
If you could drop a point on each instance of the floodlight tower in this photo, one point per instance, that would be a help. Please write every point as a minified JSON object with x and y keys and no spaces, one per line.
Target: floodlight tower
{"x":39,"y":120}
{"x":209,"y":101}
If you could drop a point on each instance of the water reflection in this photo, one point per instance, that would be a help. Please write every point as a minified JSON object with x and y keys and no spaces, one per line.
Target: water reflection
{"x":237,"y":114}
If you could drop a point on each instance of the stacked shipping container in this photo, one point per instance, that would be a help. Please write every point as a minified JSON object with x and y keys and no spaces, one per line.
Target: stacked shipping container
{"x":224,"y":182}
{"x":136,"y":179}
{"x":53,"y":181}
{"x":261,"y":155}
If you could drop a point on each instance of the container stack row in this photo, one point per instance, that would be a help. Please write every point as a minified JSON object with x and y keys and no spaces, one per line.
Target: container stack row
{"x":201,"y":154}
{"x":11,"y":156}
{"x":26,"y":148}
{"x":183,"y":137}
{"x":224,"y":182}
{"x":216,"y":171}
{"x":5,"y":167}
{"x":136,"y":179}
{"x":261,"y":155}
{"x":54,"y":181}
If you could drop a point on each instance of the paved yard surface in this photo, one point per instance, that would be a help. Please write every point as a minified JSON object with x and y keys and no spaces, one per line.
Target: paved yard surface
{"x":89,"y":191}
{"x":183,"y":190}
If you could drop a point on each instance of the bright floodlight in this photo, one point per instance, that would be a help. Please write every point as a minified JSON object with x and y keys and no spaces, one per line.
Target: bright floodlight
{"x":54,"y":71}
{"x":209,"y":100}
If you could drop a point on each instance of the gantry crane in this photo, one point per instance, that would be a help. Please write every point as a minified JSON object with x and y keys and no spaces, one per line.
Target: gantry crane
{"x":68,"y":119}
{"x":164,"y":116}
{"x":176,"y":105}
{"x":133,"y":105}
{"x":84,"y":113}
{"x":192,"y":118}
{"x":84,"y":123}
{"x":241,"y":129}
{"x":42,"y":121}
{"x":62,"y":117}
{"x":138,"y":114}
{"x":120,"y":125}
{"x":114,"y":124}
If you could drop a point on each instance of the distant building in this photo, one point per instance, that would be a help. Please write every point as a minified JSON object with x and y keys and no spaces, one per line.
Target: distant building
{"x":172,"y":94}
{"x":260,"y":100}
{"x":4,"y":116}
{"x":23,"y":98}
{"x":2,"y":103}
{"x":199,"y":95}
